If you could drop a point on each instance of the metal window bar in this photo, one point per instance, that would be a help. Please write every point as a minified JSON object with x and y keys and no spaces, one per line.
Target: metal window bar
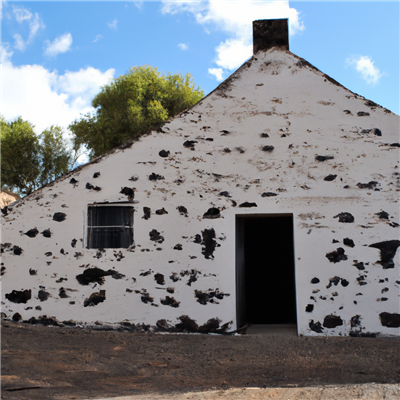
{"x":110,"y":226}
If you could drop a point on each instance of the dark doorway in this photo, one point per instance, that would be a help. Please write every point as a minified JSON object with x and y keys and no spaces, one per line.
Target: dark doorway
{"x":265,"y":270}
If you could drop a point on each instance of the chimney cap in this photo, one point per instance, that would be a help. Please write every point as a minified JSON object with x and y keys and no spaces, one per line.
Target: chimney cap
{"x":268,"y":33}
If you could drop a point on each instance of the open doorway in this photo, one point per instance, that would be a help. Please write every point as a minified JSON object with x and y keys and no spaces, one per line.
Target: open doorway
{"x":265,"y":276}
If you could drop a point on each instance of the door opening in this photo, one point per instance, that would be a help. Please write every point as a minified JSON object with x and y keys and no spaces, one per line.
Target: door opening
{"x":265,"y":273}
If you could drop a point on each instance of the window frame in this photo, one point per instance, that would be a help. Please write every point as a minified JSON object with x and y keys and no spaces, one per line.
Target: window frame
{"x":88,"y":227}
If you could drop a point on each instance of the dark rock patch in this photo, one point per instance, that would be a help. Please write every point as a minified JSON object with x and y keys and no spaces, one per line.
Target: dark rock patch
{"x":348,"y":242}
{"x":264,"y":135}
{"x":190,"y":144}
{"x":210,"y":296}
{"x":59,"y":216}
{"x":187,"y":324}
{"x":73,"y":181}
{"x":17,"y":250}
{"x":46,"y":233}
{"x":382,"y":215}
{"x":62,"y":293}
{"x":332,"y":321}
{"x":209,"y":243}
{"x":192,"y":275}
{"x":73,"y":242}
{"x":316,"y":327}
{"x":146,"y":298}
{"x":324,"y":158}
{"x":95,"y":298}
{"x":17,"y":317}
{"x":268,"y":194}
{"x":212,"y":213}
{"x":246,"y":204}
{"x":32,"y":271}
{"x":315,"y":280}
{"x":170,"y":301}
{"x":174,"y":277}
{"x":361,"y":280}
{"x":336,"y":256}
{"x":178,"y":246}
{"x":390,"y":320}
{"x":89,"y":186}
{"x":32,"y":233}
{"x":96,"y":275}
{"x":155,"y":236}
{"x":241,"y":150}
{"x":147,"y":212}
{"x":370,"y":185}
{"x":362,"y":114}
{"x":225,"y":194}
{"x":19,"y":296}
{"x":197,"y":239}
{"x":309,"y":307}
{"x":344,"y":217}
{"x":359,"y":265}
{"x":43,"y":295}
{"x":388,"y":250}
{"x":182,"y":210}
{"x":155,"y":177}
{"x":96,"y":175}
{"x":163,"y":153}
{"x":159,"y":278}
{"x":161,"y":211}
{"x":129,"y":192}
{"x":267,"y":148}
{"x":48,"y":254}
{"x":330,"y":178}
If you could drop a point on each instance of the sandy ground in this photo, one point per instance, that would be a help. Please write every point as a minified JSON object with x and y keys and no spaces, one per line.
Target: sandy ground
{"x":60,"y":363}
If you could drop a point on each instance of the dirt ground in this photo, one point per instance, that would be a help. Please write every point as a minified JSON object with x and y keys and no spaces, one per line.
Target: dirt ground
{"x":42,"y":362}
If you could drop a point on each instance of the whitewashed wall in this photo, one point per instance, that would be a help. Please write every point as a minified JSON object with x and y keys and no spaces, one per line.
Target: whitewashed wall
{"x":302,"y":111}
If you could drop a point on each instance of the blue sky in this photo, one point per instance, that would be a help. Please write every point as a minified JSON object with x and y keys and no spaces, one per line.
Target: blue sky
{"x":57,"y":55}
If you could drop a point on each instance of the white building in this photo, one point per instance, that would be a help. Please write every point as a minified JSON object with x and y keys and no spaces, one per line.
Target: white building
{"x":272,"y":200}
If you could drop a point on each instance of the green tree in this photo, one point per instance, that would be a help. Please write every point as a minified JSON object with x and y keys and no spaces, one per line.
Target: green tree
{"x":27,"y":160}
{"x":55,"y":158}
{"x":130,"y":106}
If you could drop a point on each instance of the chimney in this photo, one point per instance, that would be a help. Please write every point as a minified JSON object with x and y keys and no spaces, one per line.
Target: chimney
{"x":268,"y":33}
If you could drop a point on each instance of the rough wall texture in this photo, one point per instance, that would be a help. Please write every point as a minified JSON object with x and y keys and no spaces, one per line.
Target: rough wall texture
{"x":277,"y":126}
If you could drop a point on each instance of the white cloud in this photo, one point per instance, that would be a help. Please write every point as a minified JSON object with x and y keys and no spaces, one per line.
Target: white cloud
{"x":34,"y":26}
{"x":235,"y":18}
{"x":138,"y":4}
{"x":22,"y":14}
{"x":35,"y":23}
{"x":366,"y":68}
{"x":19,"y":42}
{"x":183,"y":46}
{"x":232,"y":53}
{"x":217,"y":72}
{"x":113,"y":24}
{"x":46,"y":97}
{"x":98,"y":37}
{"x":1,"y":8}
{"x":60,"y":44}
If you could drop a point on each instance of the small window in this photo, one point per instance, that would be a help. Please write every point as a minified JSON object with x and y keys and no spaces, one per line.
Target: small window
{"x":110,"y":226}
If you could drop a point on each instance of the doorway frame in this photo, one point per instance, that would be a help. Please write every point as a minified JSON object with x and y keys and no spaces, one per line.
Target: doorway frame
{"x":240,"y":261}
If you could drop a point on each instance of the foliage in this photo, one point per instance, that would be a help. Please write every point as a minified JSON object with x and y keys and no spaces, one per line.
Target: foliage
{"x":29,"y":161}
{"x":131,"y":105}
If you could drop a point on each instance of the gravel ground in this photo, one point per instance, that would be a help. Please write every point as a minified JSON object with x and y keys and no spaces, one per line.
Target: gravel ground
{"x":40,"y":362}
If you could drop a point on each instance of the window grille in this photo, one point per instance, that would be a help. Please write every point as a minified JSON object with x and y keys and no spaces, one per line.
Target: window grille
{"x":109,"y":226}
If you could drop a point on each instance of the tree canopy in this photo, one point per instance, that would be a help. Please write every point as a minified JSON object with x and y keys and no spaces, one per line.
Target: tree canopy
{"x":130,"y":106}
{"x":29,"y":161}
